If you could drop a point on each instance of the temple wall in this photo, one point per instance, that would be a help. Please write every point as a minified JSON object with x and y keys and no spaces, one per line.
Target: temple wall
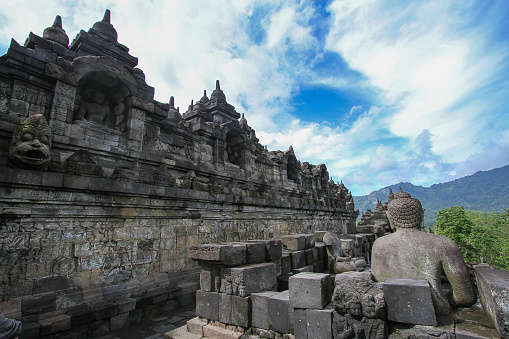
{"x":103,"y":188}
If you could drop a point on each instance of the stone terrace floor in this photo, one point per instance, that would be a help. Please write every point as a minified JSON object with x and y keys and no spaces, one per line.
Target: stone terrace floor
{"x":154,"y":328}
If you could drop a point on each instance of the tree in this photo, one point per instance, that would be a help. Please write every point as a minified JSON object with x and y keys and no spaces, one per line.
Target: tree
{"x":480,"y":236}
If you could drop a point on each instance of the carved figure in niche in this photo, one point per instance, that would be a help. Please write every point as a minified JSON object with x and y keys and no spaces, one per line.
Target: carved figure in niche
{"x":31,"y":143}
{"x":94,"y":107}
{"x":413,"y":254}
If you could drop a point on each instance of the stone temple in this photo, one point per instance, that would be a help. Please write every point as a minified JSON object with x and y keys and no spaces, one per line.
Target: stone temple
{"x":103,"y":188}
{"x":115,"y":207}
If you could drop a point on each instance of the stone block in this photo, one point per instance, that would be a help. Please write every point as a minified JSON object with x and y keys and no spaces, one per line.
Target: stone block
{"x":310,"y":240}
{"x":319,"y":323}
{"x":305,"y":269}
{"x":282,"y":281}
{"x":104,"y":309}
{"x":226,"y":254}
{"x":493,"y":286}
{"x":207,"y":305}
{"x":81,"y":315}
{"x":273,"y":249}
{"x":211,"y":331}
{"x":318,"y":267}
{"x":244,"y":280}
{"x":234,"y":310}
{"x":319,"y":236}
{"x":119,"y":321}
{"x":30,"y":331}
{"x":259,"y":309}
{"x":112,"y":291}
{"x":310,"y":257}
{"x":279,"y":312}
{"x":255,"y":251}
{"x":195,"y":325}
{"x":347,"y":326}
{"x":300,"y":324}
{"x":11,"y":309}
{"x":298,"y":259}
{"x":286,"y":264}
{"x":41,"y":303}
{"x":210,"y":278}
{"x":50,"y":284}
{"x":294,"y":242}
{"x":56,"y":324}
{"x":321,"y":251}
{"x":409,"y":301}
{"x":310,"y":290}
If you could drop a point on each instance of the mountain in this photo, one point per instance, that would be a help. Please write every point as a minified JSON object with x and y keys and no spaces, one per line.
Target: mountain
{"x":481,"y":191}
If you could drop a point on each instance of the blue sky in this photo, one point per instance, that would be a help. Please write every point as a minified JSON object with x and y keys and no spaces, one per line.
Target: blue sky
{"x":380,"y":91}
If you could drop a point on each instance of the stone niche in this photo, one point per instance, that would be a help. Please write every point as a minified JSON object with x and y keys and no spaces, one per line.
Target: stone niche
{"x":131,"y":183}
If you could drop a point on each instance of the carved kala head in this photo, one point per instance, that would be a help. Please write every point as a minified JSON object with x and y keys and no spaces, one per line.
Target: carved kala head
{"x":31,"y":143}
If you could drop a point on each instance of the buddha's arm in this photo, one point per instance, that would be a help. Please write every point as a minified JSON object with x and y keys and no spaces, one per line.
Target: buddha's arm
{"x":457,"y":274}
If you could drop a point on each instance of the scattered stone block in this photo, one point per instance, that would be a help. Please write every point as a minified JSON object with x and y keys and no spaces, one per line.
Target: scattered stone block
{"x":273,"y":249}
{"x":282,"y":281}
{"x":195,"y":325}
{"x":255,"y":251}
{"x":318,"y":267}
{"x":81,"y":315}
{"x":358,"y":294}
{"x":30,"y":331}
{"x":279,"y":312}
{"x":493,"y":286}
{"x":119,"y":321}
{"x":286,"y":264}
{"x":259,"y":309}
{"x":207,"y":305}
{"x":234,"y":310}
{"x":305,"y":269}
{"x":210,"y":278}
{"x":310,"y":290}
{"x":300,"y":323}
{"x":56,"y":324}
{"x":231,"y":254}
{"x":244,"y":280}
{"x":298,"y":259}
{"x":310,"y":240}
{"x":319,"y":323}
{"x":211,"y":331}
{"x":310,"y":258}
{"x":319,"y":236}
{"x":294,"y":242}
{"x":409,"y":301}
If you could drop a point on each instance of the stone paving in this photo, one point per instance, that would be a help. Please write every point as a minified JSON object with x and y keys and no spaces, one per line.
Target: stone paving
{"x":154,"y":328}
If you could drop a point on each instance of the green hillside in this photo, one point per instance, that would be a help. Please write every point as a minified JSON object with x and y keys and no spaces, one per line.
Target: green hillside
{"x":482,"y":191}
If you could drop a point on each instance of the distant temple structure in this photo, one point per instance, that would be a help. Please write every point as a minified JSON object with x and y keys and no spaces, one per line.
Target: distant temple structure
{"x":103,"y":189}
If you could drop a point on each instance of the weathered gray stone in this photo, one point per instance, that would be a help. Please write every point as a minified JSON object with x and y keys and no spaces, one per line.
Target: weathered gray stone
{"x":279,"y":312}
{"x":244,"y":280}
{"x":298,"y":259}
{"x":231,"y":254}
{"x":300,"y":323}
{"x":260,"y":307}
{"x":286,"y":264}
{"x":255,"y":252}
{"x":319,"y":323}
{"x":234,"y":310}
{"x":210,"y":278}
{"x":356,"y":293}
{"x":346,"y":326}
{"x":409,"y":301}
{"x":207,"y":305}
{"x":294,"y":242}
{"x":310,"y":290}
{"x":493,"y":286}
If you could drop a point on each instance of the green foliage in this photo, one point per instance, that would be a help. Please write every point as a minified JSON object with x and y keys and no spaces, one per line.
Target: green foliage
{"x":480,"y":236}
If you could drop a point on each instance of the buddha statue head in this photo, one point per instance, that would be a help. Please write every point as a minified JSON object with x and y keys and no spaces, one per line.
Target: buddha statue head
{"x":404,"y":211}
{"x":31,"y":143}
